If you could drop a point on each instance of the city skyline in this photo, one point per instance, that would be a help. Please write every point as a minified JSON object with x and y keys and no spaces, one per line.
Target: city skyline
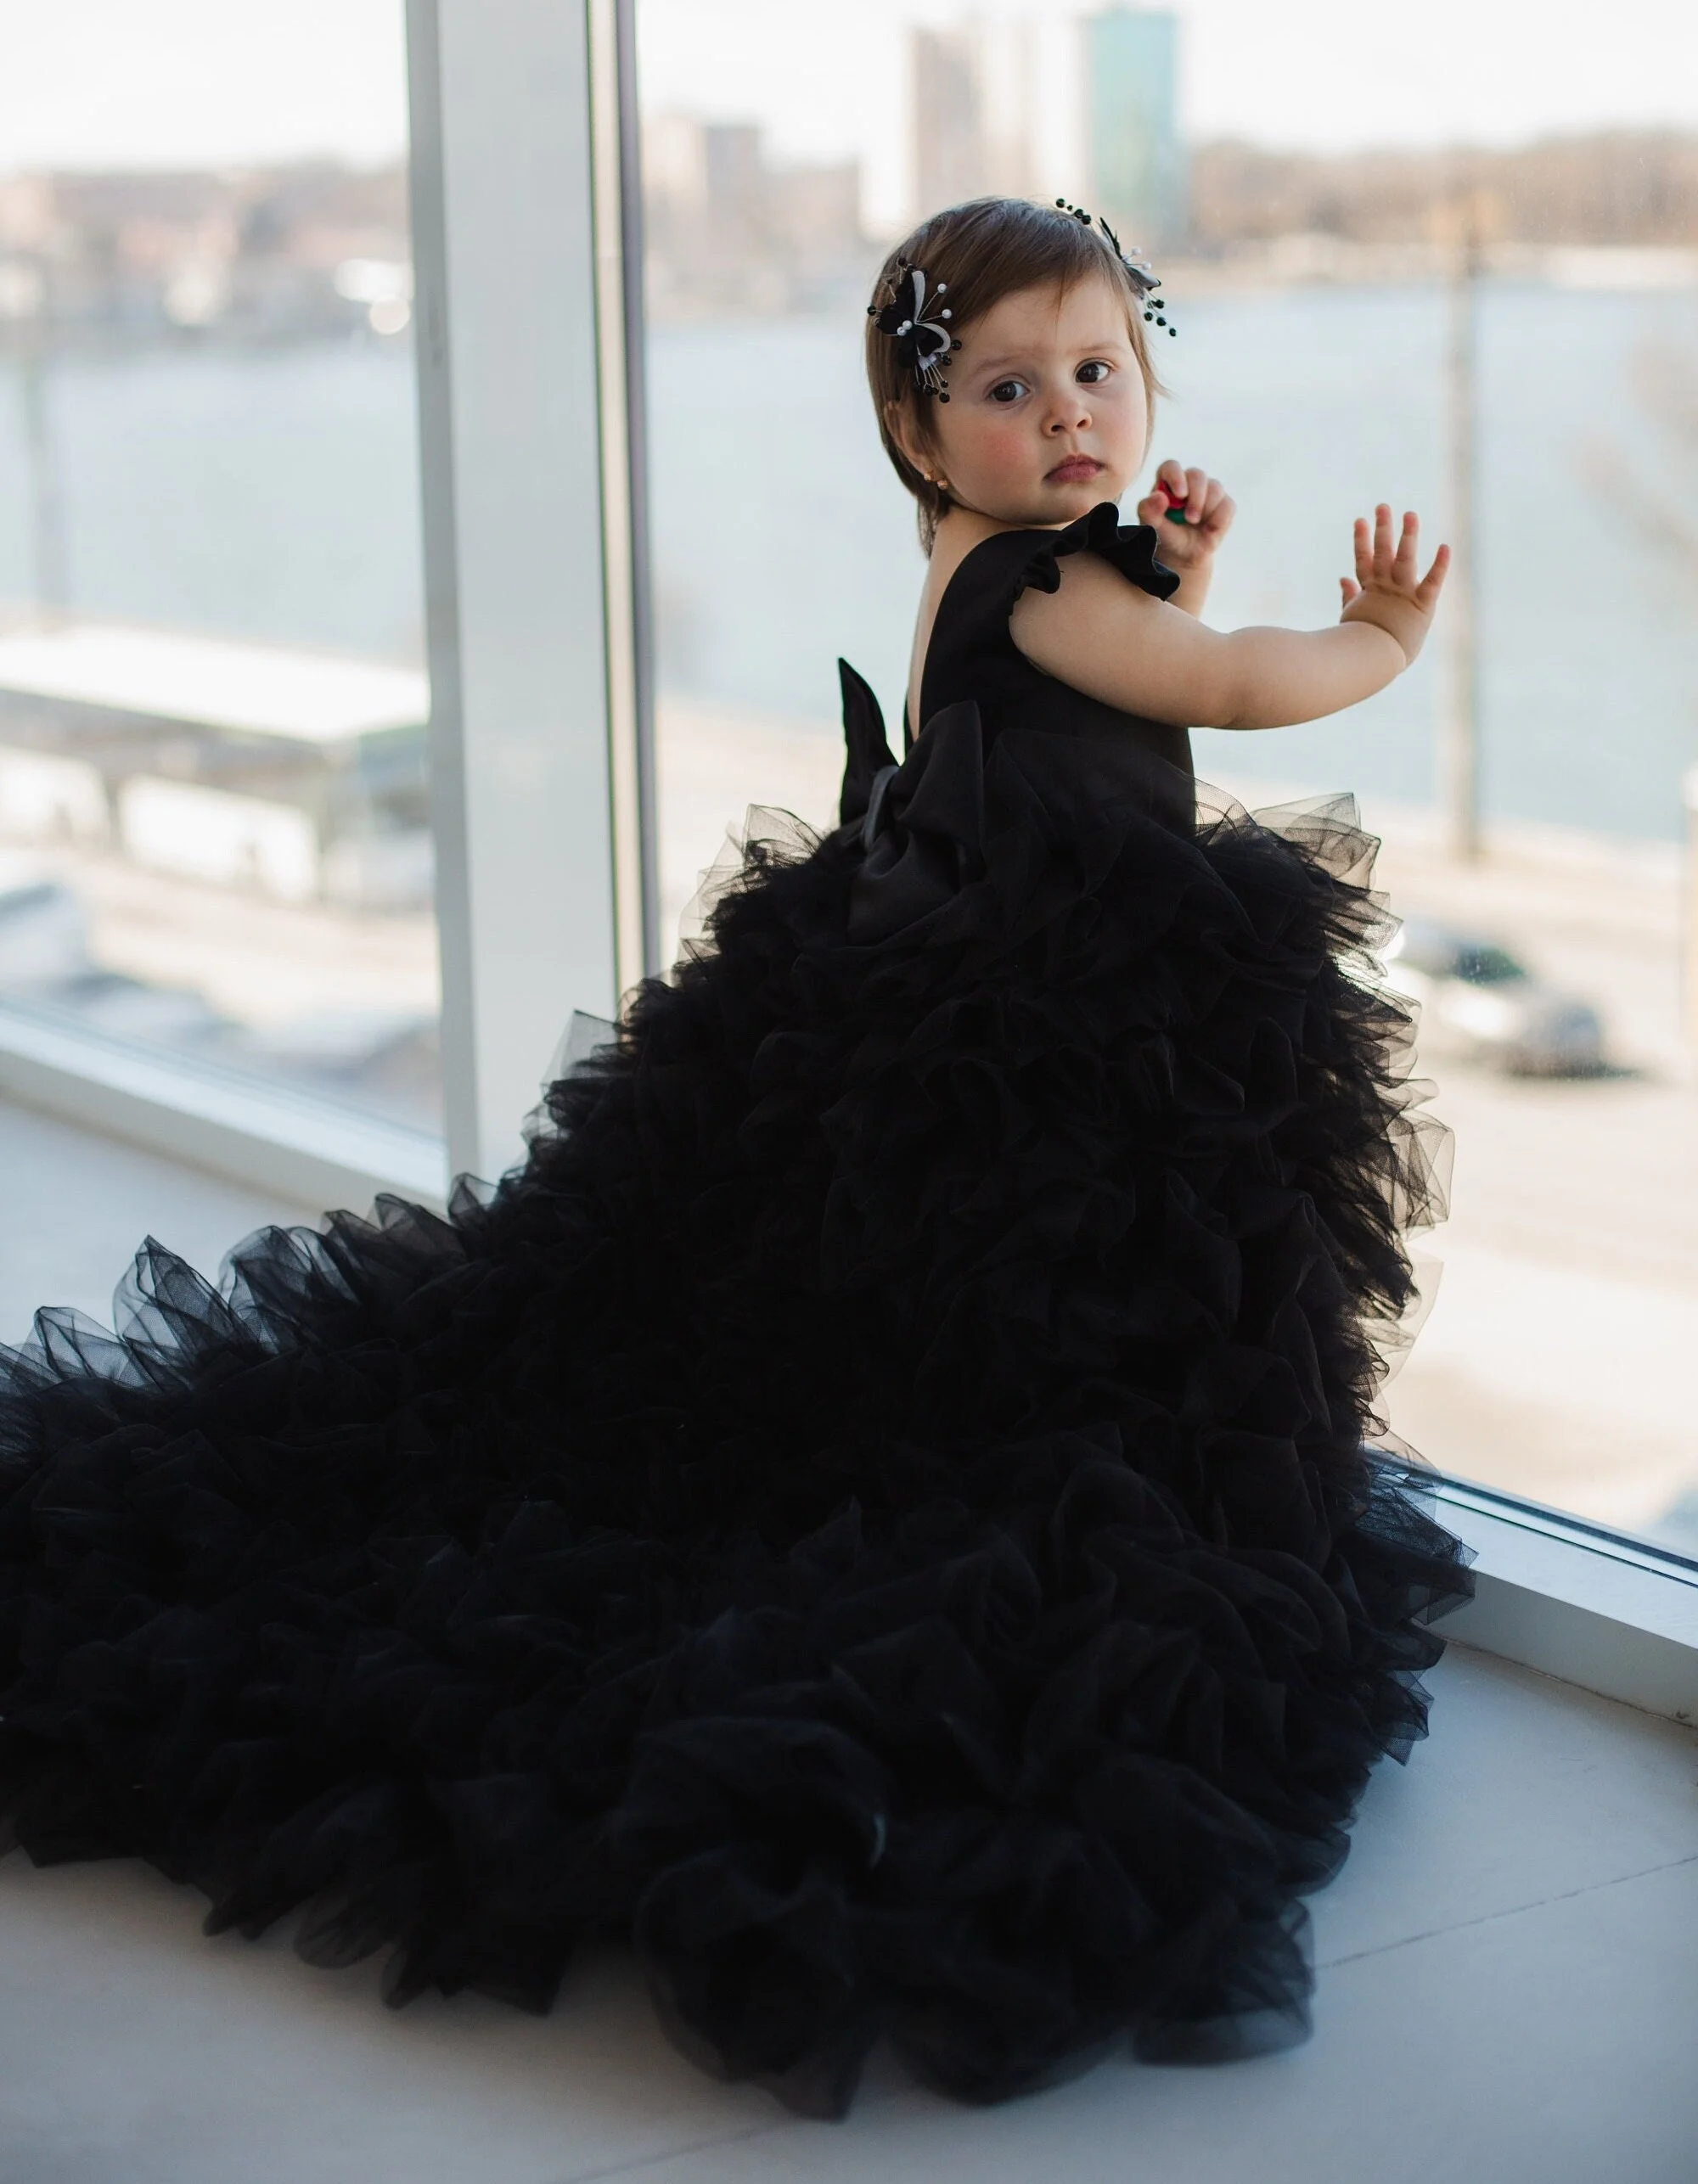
{"x":192,"y":82}
{"x":310,"y":251}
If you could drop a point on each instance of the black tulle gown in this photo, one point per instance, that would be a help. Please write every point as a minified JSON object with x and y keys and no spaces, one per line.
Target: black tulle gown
{"x":874,"y":1510}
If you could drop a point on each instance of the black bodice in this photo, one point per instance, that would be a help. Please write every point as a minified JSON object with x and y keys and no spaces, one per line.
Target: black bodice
{"x":923,"y":824}
{"x":973,"y":655}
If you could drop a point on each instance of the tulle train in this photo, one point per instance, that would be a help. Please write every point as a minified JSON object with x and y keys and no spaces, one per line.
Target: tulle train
{"x":874,"y":1510}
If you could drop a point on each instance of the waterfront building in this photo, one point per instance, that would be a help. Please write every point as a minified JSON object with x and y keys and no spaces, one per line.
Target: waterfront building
{"x":1137,"y":155}
{"x":729,"y":232}
{"x":972,"y":113}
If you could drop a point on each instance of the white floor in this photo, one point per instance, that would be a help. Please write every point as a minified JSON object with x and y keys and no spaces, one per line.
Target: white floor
{"x":1509,"y":1965}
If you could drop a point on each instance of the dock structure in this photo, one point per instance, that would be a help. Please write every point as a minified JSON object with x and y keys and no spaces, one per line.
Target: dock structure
{"x":297,"y":774}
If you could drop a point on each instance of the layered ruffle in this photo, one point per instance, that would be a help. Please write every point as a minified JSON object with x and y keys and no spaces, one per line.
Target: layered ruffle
{"x":874,"y":1510}
{"x":1132,"y":548}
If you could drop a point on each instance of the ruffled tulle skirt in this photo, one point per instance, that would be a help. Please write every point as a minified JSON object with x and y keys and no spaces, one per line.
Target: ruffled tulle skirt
{"x":874,"y":1510}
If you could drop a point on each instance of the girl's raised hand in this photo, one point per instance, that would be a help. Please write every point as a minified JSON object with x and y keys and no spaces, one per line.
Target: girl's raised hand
{"x":1388,"y":589}
{"x":1202,"y":512}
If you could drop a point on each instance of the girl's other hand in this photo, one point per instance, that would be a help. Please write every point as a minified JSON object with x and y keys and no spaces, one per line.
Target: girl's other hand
{"x":1204,"y":503}
{"x":1388,"y":589}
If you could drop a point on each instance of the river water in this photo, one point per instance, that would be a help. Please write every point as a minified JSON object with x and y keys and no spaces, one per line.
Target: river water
{"x":273,"y":493}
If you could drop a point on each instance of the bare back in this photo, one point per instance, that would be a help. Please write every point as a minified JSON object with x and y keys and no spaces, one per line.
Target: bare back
{"x":959,"y":532}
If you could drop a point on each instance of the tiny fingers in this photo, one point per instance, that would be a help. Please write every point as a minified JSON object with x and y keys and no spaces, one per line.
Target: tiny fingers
{"x":1427,"y":591}
{"x":1351,"y":589}
{"x":1192,"y":493}
{"x":1390,"y":559}
{"x":1170,"y":479}
{"x":1382,"y":540}
{"x":1222,"y":509}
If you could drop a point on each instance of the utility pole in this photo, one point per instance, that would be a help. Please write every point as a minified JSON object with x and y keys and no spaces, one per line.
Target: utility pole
{"x":33,"y":297}
{"x":1688,"y":937}
{"x":1460,"y":719}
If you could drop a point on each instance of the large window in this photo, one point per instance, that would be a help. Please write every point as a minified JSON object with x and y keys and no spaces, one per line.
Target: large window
{"x":287,"y":295}
{"x":1452,"y":260}
{"x":214,"y":823}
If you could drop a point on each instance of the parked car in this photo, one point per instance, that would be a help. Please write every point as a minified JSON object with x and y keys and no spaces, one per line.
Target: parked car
{"x":1480,"y":1003}
{"x":43,"y":934}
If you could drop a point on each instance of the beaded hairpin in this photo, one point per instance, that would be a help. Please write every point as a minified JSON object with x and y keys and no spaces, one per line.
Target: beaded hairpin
{"x":1143,"y":279}
{"x":922,"y":343}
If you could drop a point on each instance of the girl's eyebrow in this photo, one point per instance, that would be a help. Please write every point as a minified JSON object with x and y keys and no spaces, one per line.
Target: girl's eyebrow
{"x":1002,"y":360}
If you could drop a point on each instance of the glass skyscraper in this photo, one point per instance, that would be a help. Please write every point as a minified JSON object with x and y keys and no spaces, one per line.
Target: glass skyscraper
{"x":1137,"y":158}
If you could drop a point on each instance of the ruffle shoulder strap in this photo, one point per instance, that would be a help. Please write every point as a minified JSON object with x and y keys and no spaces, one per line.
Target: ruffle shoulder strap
{"x":1129,"y":547}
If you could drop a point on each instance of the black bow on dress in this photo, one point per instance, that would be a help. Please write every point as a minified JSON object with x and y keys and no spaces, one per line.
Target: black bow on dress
{"x":921,"y":823}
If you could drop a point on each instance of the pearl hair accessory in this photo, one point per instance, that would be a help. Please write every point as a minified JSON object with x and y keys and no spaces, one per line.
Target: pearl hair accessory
{"x":1137,"y":271}
{"x":923,"y":343}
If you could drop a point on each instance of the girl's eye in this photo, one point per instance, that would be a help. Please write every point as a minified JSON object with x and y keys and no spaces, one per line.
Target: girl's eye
{"x":1008,"y":390}
{"x":1090,"y":375}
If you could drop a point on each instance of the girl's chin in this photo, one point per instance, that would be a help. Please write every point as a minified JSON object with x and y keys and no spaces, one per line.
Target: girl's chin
{"x":1051,"y":503}
{"x":1082,"y":493}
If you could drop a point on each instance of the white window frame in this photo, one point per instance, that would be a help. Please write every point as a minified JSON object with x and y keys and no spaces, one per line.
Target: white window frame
{"x":528,"y":259}
{"x":529,"y":342}
{"x":1575,"y":1600}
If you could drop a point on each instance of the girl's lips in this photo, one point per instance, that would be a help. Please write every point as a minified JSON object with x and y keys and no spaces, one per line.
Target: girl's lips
{"x":1074,"y":470}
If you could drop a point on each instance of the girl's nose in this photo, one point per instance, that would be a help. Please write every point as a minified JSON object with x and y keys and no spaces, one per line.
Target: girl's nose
{"x":1069,"y":414}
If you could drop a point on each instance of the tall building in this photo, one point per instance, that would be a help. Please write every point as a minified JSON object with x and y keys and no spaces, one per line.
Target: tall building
{"x":729,"y":232}
{"x":1138,"y":162}
{"x":972,"y":115}
{"x":948,"y":164}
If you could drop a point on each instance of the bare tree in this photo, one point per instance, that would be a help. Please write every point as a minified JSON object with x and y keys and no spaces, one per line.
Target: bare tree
{"x":1664,"y":380}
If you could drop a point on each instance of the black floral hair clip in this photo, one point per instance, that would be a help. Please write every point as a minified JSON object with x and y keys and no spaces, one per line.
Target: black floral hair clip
{"x":923,"y":342}
{"x":1145,"y":281}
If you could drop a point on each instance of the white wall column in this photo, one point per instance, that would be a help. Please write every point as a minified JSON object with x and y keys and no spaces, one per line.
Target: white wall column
{"x":535,"y":770}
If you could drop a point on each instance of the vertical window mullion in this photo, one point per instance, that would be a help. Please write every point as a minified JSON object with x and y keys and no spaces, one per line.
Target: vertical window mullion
{"x":532,"y":809}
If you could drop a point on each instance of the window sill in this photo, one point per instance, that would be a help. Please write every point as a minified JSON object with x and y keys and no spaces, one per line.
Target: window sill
{"x":1576,"y":1602}
{"x":314,"y":1152}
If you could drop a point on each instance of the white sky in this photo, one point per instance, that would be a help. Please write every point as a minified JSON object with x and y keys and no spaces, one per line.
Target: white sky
{"x":166,"y":82}
{"x":192,"y":83}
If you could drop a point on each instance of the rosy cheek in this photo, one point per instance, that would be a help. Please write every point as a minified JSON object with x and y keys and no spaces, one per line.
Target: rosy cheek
{"x":1134,"y":417}
{"x":999,"y":437}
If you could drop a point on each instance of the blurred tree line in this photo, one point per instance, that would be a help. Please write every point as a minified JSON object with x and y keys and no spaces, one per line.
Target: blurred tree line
{"x":1625,"y":187}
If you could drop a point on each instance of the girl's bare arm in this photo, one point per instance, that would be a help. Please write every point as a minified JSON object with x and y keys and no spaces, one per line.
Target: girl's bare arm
{"x":1113,"y":642}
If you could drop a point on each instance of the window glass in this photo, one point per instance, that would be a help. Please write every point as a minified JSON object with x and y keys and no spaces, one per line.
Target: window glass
{"x":1450,"y":260}
{"x":214,"y":825}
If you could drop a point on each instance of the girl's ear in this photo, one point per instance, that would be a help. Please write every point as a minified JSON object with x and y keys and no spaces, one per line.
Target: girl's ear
{"x":899,"y":422}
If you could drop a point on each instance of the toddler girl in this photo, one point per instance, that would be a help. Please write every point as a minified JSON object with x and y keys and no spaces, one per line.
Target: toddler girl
{"x":875,"y":1510}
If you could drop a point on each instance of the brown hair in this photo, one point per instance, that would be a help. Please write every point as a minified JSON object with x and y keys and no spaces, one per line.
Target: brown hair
{"x":984,"y":250}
